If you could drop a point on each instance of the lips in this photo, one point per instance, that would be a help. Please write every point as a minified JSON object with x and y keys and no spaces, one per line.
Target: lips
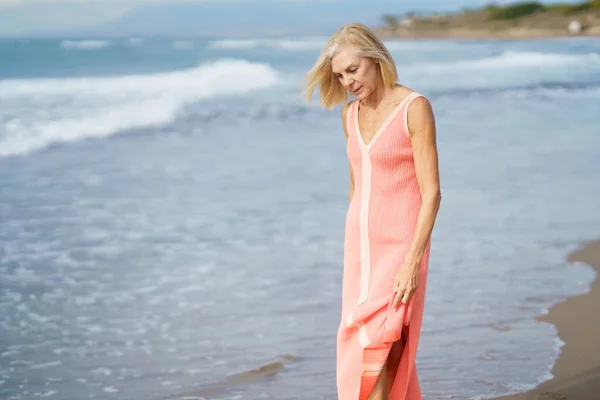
{"x":357,"y":90}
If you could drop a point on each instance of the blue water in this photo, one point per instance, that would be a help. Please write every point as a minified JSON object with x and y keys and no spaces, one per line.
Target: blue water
{"x":171,"y":214}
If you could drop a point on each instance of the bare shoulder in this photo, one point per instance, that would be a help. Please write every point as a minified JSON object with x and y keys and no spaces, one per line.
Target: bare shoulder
{"x":420,"y":118}
{"x":420,"y":106}
{"x":345,"y":117}
{"x":345,"y":111}
{"x":401,"y":92}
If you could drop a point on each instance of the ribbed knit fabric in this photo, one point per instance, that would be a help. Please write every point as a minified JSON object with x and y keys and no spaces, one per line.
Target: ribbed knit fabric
{"x":380,"y":225}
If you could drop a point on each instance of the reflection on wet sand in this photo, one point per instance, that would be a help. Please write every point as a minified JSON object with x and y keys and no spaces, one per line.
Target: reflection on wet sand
{"x":260,"y":372}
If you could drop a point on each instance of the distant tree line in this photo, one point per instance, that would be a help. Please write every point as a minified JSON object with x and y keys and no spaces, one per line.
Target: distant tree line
{"x":522,"y":9}
{"x":510,"y":11}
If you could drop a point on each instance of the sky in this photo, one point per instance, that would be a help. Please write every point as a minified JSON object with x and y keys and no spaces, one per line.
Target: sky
{"x":47,"y":17}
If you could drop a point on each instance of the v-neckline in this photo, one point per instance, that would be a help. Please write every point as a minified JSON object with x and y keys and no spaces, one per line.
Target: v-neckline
{"x":383,"y":126}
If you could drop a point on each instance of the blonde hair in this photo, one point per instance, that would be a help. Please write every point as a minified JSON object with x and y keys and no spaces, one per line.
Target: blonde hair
{"x":367,"y":44}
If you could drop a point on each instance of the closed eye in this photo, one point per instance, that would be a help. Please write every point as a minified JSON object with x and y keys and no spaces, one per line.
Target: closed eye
{"x":350,"y":70}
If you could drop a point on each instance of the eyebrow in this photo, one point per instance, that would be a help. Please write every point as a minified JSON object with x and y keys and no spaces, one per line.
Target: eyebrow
{"x":354,"y":64}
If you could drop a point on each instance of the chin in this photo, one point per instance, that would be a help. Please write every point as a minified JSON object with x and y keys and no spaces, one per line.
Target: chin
{"x":362,"y":95}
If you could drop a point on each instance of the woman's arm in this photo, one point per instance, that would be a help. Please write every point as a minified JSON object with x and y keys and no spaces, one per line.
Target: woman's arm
{"x":421,"y":124}
{"x":344,"y":118}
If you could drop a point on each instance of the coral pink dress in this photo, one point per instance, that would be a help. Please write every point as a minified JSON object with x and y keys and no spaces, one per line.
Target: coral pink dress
{"x":380,"y":226}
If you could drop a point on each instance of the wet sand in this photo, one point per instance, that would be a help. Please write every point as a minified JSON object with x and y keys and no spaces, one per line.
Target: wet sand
{"x":577,"y":370}
{"x":260,"y":372}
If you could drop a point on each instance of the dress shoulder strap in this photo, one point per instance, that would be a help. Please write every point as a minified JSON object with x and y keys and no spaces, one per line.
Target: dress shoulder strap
{"x":409,"y":99}
{"x":351,"y":117}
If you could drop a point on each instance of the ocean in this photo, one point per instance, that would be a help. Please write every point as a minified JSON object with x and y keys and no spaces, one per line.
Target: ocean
{"x":172,"y":215}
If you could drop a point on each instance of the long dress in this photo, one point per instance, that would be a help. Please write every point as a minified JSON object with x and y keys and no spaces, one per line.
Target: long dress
{"x":380,"y":226}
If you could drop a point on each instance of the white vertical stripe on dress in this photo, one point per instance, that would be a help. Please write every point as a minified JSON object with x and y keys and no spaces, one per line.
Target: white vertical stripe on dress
{"x":365,"y":250}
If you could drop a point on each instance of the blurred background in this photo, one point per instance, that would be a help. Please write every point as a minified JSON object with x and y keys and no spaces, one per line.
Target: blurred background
{"x":172,"y":211}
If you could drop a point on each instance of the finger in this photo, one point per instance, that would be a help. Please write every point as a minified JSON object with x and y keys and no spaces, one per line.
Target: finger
{"x":407,"y":295}
{"x":398,"y":297}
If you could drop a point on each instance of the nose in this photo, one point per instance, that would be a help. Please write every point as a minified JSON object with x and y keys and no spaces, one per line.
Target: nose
{"x":348,"y":82}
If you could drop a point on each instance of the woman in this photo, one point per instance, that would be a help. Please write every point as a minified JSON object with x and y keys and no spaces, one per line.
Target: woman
{"x":394,"y":200}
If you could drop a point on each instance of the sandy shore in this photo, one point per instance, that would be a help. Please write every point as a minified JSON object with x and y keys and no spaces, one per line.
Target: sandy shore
{"x":481,"y":24}
{"x":480,"y":34}
{"x":577,"y":371}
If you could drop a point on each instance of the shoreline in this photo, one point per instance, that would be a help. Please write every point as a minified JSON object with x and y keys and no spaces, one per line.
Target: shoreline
{"x":485,"y":38}
{"x":473,"y":34}
{"x":515,"y":20}
{"x":577,"y":369}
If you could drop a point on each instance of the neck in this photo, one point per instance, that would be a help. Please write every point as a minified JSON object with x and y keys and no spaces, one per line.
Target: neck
{"x":375,"y":99}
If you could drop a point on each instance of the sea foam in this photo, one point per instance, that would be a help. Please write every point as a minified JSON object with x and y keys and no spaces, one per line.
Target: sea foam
{"x":40,"y":112}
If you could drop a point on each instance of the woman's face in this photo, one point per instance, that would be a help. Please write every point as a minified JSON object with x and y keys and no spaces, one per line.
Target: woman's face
{"x":359,"y":75}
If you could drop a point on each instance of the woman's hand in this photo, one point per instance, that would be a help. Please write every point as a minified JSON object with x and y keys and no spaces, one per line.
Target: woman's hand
{"x":406,"y":282}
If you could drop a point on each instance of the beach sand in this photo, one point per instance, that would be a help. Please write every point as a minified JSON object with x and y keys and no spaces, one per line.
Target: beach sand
{"x":465,"y":33}
{"x":577,"y":370}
